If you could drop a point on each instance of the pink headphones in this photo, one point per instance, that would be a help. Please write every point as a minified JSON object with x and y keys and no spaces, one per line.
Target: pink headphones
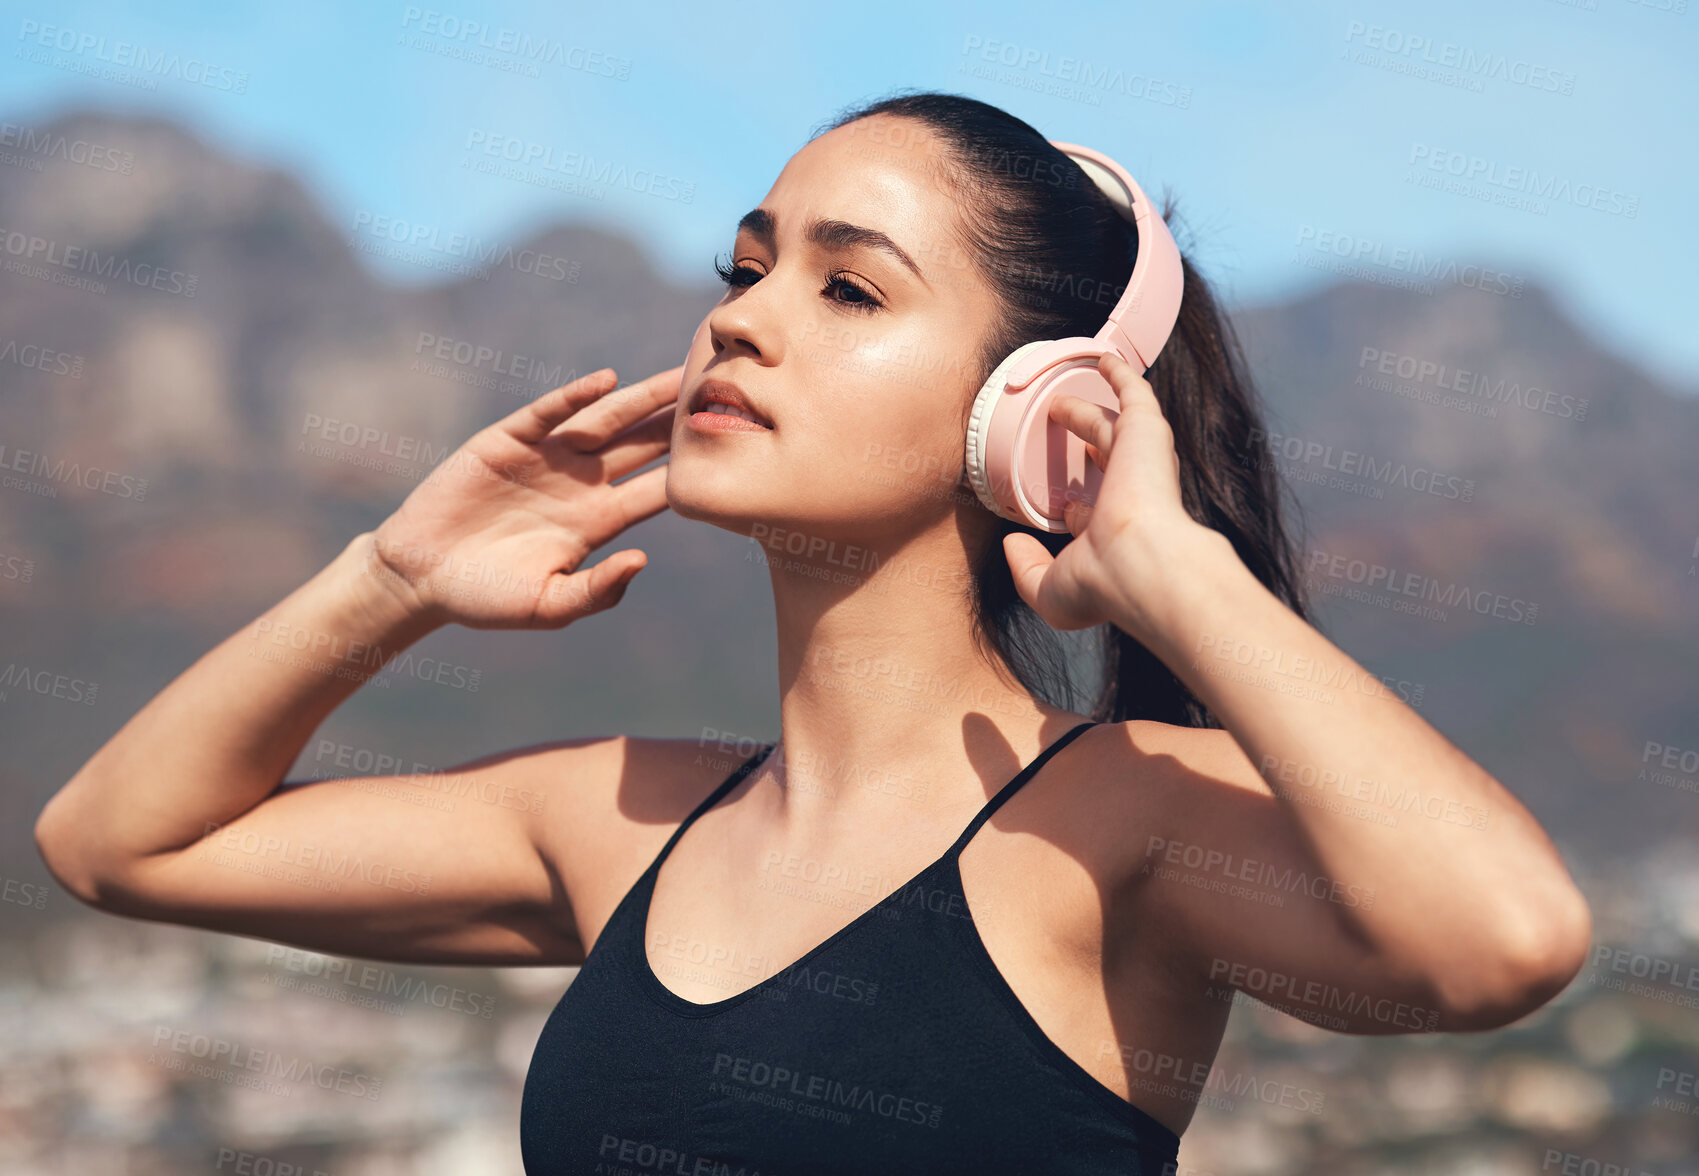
{"x":1025,"y":467}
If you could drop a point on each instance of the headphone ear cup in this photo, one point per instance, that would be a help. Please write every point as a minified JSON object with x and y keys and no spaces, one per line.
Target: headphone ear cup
{"x":985,"y":404}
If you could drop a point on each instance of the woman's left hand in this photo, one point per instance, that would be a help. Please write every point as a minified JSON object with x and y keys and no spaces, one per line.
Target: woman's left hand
{"x":1136,"y":529}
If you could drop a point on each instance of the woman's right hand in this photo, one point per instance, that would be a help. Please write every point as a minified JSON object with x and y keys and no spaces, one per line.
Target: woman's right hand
{"x":493,"y":538}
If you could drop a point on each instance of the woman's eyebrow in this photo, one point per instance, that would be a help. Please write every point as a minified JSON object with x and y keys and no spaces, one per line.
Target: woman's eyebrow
{"x":829,"y":234}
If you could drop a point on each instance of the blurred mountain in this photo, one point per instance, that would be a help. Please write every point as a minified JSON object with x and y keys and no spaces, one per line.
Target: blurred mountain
{"x":233,"y":318}
{"x":1558,"y":475}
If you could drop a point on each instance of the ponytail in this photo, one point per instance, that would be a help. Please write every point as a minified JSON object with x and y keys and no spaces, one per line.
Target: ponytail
{"x":1227,"y":482}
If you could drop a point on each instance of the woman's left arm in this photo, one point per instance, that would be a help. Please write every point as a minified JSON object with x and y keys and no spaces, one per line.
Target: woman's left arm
{"x":1470,"y":892}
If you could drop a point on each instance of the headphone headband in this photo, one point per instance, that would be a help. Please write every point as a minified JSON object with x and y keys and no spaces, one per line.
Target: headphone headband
{"x":1024,"y":466}
{"x":1144,"y":317}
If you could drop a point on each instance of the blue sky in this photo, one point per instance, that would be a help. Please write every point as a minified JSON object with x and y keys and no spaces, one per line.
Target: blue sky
{"x":1275,"y":124}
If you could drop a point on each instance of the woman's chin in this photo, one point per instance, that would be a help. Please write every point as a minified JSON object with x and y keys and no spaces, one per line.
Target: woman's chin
{"x":715,"y":506}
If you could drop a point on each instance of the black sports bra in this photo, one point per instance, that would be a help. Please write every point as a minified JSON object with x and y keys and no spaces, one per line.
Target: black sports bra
{"x":895,"y":1046}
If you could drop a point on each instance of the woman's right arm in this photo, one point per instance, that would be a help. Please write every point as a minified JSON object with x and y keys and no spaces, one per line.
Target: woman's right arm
{"x":180,"y":817}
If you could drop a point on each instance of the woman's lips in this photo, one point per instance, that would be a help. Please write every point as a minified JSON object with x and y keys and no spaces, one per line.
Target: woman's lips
{"x":724,"y":422}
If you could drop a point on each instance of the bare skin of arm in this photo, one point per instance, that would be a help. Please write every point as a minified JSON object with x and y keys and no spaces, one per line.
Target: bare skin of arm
{"x":181,"y":816}
{"x":1442,"y":902}
{"x":1432,"y":899}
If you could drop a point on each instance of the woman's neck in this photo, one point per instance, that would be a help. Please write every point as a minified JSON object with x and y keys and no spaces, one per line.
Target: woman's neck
{"x":890,"y":714}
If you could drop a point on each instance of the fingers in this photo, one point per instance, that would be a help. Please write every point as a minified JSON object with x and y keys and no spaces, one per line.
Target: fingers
{"x":1031,"y":566}
{"x":568,"y":597}
{"x":641,"y":497}
{"x":1132,"y":388}
{"x":1028,"y":561}
{"x":636,"y":447}
{"x":1093,"y":423}
{"x":1076,"y":512}
{"x":617,"y":508}
{"x":533,"y":422}
{"x":622,"y":408}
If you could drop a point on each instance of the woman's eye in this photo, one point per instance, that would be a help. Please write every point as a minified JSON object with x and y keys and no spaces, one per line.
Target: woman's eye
{"x":862,"y":300}
{"x":841,"y":290}
{"x":737,"y":275}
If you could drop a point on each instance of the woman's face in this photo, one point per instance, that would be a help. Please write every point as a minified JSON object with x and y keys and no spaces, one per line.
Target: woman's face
{"x":861,"y":362}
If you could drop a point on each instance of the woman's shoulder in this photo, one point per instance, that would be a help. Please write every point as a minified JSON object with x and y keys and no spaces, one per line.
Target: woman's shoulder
{"x":644,"y":779}
{"x":1155,"y":771}
{"x":1154,"y":786}
{"x":609,"y":802}
{"x":1167,"y":753}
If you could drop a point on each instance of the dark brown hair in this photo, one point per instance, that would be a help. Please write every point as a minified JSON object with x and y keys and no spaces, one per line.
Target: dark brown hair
{"x":1053,"y":247}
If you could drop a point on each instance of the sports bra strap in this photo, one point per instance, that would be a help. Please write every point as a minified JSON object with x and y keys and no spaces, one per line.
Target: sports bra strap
{"x":979,"y":819}
{"x":714,"y":798}
{"x":1014,"y":785}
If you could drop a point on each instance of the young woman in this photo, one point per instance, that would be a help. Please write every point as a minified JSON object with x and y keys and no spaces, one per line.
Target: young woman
{"x":944,"y":924}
